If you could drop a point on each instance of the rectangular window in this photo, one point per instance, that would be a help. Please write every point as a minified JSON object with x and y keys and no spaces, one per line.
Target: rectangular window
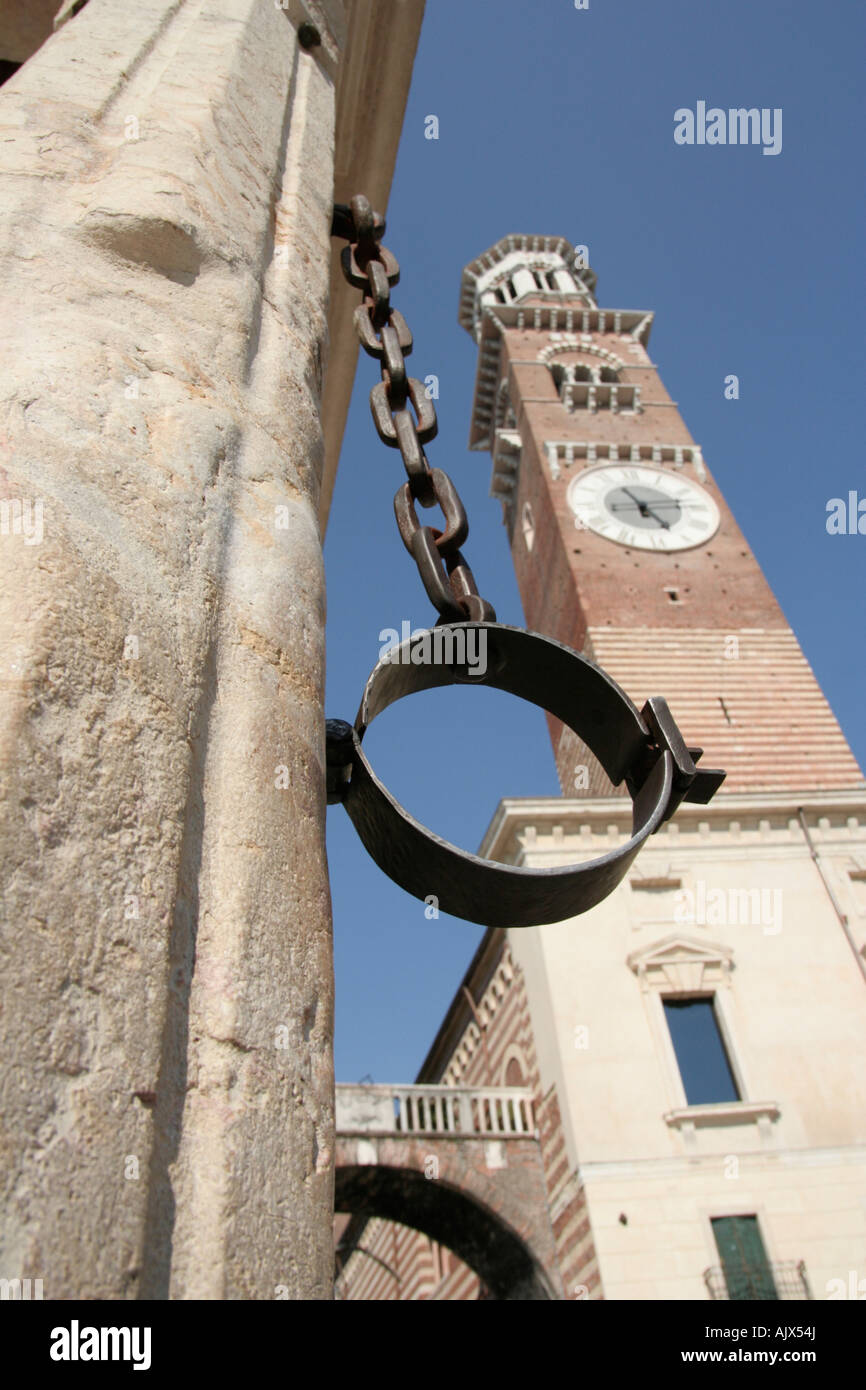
{"x":703,"y":1062}
{"x":741,"y":1250}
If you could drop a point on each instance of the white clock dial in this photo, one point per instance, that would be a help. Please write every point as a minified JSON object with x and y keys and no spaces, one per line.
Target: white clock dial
{"x":642,"y":507}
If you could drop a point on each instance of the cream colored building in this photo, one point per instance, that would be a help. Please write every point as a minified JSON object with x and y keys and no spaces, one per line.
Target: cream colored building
{"x":768,"y":948}
{"x":725,"y":905}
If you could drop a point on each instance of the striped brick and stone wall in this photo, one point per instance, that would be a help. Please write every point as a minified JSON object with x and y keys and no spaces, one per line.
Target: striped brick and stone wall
{"x":486,"y":1039}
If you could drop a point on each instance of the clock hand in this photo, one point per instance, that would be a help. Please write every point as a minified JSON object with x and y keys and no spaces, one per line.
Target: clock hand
{"x":643,"y":508}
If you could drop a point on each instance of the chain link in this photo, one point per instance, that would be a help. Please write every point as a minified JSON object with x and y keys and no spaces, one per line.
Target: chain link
{"x":405,"y":419}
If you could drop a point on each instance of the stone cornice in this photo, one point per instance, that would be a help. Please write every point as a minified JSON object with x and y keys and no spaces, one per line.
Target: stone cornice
{"x":372,"y":91}
{"x":524,"y":823}
{"x":674,"y":1166}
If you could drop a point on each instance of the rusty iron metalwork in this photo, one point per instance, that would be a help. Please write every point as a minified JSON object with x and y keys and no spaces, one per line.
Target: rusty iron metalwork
{"x":446,"y":494}
{"x":405,"y":419}
{"x":644,"y":750}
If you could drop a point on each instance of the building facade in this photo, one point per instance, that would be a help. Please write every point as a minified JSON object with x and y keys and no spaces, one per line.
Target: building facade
{"x":694,"y":1044}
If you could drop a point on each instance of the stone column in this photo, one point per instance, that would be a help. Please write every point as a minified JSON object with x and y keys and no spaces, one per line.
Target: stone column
{"x":167,"y":1125}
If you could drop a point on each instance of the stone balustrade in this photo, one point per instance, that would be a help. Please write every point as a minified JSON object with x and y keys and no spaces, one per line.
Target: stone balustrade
{"x":461,"y":1111}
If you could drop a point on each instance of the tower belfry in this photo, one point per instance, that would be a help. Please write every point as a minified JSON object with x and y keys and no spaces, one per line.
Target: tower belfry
{"x":622,"y":542}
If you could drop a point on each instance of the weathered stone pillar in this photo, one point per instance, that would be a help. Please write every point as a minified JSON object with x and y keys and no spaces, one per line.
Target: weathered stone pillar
{"x":167,"y":180}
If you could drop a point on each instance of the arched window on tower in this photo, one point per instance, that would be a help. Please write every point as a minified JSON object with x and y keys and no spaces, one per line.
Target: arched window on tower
{"x":544,"y":279}
{"x":527,"y":523}
{"x":584,"y":387}
{"x":505,"y":291}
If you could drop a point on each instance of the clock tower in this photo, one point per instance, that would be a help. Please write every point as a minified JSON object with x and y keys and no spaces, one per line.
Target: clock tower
{"x":623,"y":544}
{"x":693,"y":1043}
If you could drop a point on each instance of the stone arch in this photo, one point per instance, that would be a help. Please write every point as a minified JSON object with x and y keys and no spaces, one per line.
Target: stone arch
{"x":450,"y":1216}
{"x":573,"y":342}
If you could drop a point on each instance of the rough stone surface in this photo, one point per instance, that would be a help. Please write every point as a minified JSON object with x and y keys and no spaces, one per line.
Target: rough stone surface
{"x":166,"y":1026}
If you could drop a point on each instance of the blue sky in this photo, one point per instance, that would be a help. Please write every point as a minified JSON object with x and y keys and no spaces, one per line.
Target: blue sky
{"x":560,"y":121}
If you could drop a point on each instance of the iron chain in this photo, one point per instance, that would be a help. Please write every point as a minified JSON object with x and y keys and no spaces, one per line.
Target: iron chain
{"x":405,"y":419}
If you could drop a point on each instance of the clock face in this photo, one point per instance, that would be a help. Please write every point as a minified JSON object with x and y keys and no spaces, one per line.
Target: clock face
{"x":642,"y":507}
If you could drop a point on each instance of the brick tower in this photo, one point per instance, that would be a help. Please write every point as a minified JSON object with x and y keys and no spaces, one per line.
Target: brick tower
{"x":623,"y":545}
{"x":691,"y":1040}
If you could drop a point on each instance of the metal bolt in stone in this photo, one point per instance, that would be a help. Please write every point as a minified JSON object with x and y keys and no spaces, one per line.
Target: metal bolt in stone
{"x":309,"y":37}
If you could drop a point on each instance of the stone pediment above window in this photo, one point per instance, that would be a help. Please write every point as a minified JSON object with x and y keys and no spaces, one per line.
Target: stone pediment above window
{"x":682,"y":965}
